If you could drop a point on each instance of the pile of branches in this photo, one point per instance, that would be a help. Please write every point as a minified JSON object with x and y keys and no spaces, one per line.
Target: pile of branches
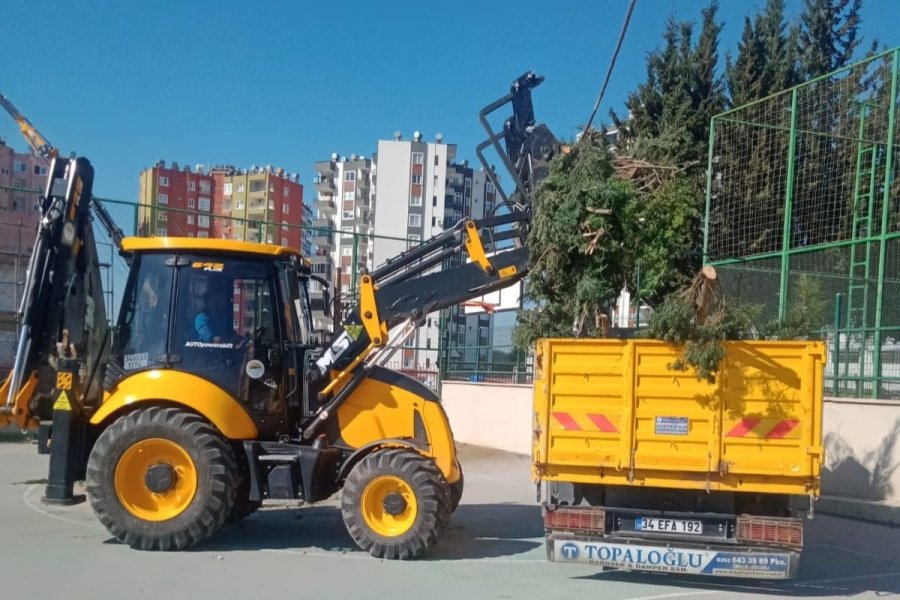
{"x":647,"y":177}
{"x":697,"y":320}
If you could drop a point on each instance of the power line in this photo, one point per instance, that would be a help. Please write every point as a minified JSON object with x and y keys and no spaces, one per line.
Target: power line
{"x":612,"y":64}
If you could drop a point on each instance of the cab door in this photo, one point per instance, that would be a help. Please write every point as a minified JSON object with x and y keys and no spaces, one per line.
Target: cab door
{"x":230,"y":331}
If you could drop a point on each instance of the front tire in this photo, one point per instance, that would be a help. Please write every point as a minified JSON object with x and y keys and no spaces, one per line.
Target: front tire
{"x":395,"y":504}
{"x":161,"y":478}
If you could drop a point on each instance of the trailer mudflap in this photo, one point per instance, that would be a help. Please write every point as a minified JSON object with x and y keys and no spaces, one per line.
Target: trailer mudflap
{"x":647,"y":556}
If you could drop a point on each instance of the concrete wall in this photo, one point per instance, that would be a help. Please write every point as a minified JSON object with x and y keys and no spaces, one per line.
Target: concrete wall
{"x":862,"y":453}
{"x":489,"y":415}
{"x":862,"y":449}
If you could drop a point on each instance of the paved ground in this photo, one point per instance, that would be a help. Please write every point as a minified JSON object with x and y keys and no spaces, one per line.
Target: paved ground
{"x":494,"y":550}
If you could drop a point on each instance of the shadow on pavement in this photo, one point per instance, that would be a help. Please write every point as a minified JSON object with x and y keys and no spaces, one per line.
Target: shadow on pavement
{"x":841,"y":558}
{"x":475,"y":531}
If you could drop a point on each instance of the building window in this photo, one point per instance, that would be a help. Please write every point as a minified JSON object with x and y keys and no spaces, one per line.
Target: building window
{"x":40,"y":170}
{"x":349,"y":196}
{"x":202,"y":234}
{"x":287,"y":191}
{"x":162,"y":217}
{"x":468,"y":182}
{"x":204,"y":204}
{"x":161,"y":231}
{"x":415,"y":220}
{"x":163,"y":181}
{"x":228,"y":188}
{"x":458,"y":197}
{"x":257,"y":186}
{"x":203,"y":221}
{"x":190,"y":219}
{"x":284,"y":241}
{"x":285,"y":209}
{"x":417,"y":179}
{"x":489,"y":187}
{"x":437,"y":159}
{"x":350,"y":176}
{"x":192,"y":186}
{"x":418,"y":158}
{"x":239,"y":205}
{"x":346,"y":251}
{"x":162,"y":198}
{"x":191,"y":203}
{"x":241,"y":188}
{"x":19,"y":166}
{"x":415,"y":200}
{"x":204,"y":187}
{"x":434,"y":200}
{"x":348,"y":214}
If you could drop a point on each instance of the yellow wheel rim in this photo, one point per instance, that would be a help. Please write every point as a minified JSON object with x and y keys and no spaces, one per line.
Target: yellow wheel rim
{"x":173,"y":495}
{"x":389,"y":506}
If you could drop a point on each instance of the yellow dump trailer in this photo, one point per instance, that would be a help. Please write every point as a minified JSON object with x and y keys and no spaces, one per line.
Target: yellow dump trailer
{"x":650,"y":469}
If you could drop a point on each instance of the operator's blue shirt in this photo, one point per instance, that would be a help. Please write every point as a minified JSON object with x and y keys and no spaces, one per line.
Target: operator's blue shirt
{"x":203,"y":325}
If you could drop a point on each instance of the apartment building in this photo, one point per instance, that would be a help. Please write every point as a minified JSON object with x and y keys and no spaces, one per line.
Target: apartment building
{"x":175,"y":200}
{"x":256,"y":204}
{"x":23,"y":179}
{"x":342,"y":223}
{"x":259,"y":204}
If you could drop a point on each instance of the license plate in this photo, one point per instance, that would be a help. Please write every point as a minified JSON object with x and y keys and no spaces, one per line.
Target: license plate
{"x":660,"y":525}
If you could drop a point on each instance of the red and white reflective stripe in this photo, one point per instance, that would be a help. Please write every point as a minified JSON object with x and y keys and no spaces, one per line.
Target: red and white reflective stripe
{"x":585,"y":422}
{"x":762,"y":428}
{"x":567,"y":421}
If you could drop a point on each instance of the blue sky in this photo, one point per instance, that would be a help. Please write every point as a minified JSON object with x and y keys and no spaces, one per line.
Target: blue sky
{"x":286,"y":84}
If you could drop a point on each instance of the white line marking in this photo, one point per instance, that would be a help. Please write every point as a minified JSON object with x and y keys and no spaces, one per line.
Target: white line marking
{"x":38,"y":509}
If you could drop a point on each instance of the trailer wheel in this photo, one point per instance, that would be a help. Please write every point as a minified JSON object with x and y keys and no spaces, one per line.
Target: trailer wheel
{"x":161,"y":479}
{"x":395,"y":504}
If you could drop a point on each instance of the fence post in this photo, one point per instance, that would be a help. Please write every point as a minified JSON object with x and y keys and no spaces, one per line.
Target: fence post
{"x":788,"y":210}
{"x":885,"y":220}
{"x":837,"y":341}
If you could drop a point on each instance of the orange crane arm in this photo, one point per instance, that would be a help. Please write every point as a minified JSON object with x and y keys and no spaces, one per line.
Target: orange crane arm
{"x":38,"y":142}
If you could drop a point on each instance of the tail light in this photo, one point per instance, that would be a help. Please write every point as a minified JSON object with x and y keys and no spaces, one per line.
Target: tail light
{"x":576,"y":519}
{"x":770,"y":530}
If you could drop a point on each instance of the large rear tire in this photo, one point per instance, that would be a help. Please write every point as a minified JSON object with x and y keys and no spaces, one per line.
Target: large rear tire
{"x":161,"y":478}
{"x":395,"y":504}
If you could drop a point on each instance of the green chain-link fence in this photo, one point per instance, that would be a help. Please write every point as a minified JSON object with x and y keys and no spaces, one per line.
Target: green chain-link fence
{"x":803,"y":215}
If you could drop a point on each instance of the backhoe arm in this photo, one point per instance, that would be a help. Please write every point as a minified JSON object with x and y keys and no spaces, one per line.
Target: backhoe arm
{"x":62,"y":314}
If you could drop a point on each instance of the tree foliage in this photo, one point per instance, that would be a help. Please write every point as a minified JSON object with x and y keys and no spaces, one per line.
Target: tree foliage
{"x":570,"y":278}
{"x":670,"y":112}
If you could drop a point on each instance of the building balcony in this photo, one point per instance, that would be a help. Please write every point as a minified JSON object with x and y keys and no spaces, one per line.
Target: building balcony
{"x":325,"y":167}
{"x":322,"y":238}
{"x":324,"y":183}
{"x":325,"y":205}
{"x":324,"y":223}
{"x":257,"y":207}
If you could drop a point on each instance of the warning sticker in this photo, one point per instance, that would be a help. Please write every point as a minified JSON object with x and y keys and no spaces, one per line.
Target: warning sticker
{"x":62,"y":402}
{"x":672,"y":426}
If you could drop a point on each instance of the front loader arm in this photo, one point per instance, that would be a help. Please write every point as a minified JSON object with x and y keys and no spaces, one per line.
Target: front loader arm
{"x":420,"y":281}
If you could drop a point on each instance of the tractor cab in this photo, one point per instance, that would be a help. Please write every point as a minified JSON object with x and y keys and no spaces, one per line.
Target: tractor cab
{"x":232,"y":313}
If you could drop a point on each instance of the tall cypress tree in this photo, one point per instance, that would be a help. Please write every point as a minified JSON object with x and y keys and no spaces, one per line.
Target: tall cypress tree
{"x":828,"y":36}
